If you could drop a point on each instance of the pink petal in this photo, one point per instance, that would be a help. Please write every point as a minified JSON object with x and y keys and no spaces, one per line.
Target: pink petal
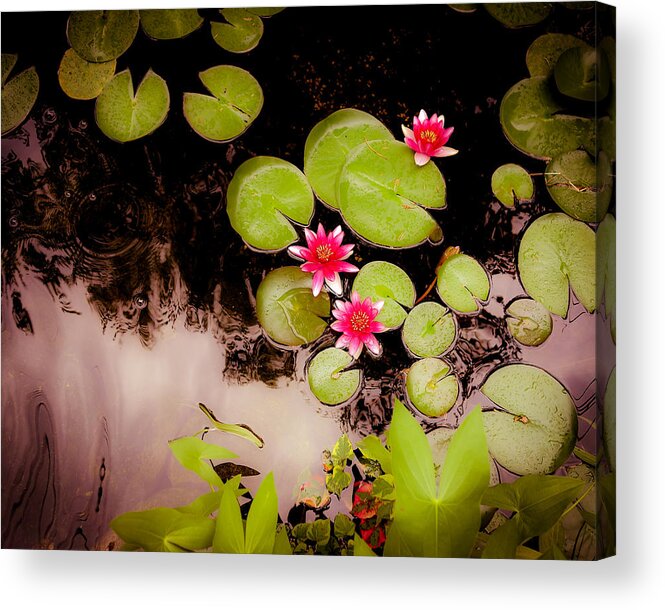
{"x":296,"y":251}
{"x":342,"y":342}
{"x":422,"y":116}
{"x":355,"y":298}
{"x":373,"y":345}
{"x":335,"y":284}
{"x":338,"y":314}
{"x":377,"y":327}
{"x":355,"y":346}
{"x":310,"y":267}
{"x":442,"y":121}
{"x":310,"y":236}
{"x":345,"y":267}
{"x":412,"y":144}
{"x":447,"y":133}
{"x":421,"y":158}
{"x":321,"y":233}
{"x":408,"y":133}
{"x":378,"y":306}
{"x":444,"y":151}
{"x":344,"y":251}
{"x":317,"y":283}
{"x":337,"y":230}
{"x":339,"y":326}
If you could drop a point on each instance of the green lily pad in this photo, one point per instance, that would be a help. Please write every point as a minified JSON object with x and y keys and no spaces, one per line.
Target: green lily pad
{"x":264,"y":193}
{"x":464,"y":8}
{"x":168,"y":24}
{"x":580,"y":187}
{"x":536,"y":429}
{"x":382,"y":194}
{"x":287,"y":310}
{"x":100,"y":36}
{"x":512,"y":182}
{"x":328,"y":378}
{"x":606,"y":265}
{"x":462,"y":283}
{"x":544,"y":52}
{"x":432,"y":386}
{"x":519,"y":14}
{"x":583,"y":73}
{"x":381,"y":281}
{"x":237,"y":99}
{"x":265,"y":11}
{"x":429,"y":330}
{"x":124,"y":115}
{"x":329,"y":143}
{"x":242,"y":32}
{"x":610,"y":420}
{"x":558,"y":253}
{"x":19,"y":93}
{"x":529,"y":321}
{"x":81,"y":79}
{"x":531,"y":121}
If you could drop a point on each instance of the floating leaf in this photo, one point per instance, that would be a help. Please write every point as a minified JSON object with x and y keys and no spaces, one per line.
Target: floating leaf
{"x":512,"y":182}
{"x":19,"y":94}
{"x":519,"y":14}
{"x":558,"y":253}
{"x":328,"y":378}
{"x":529,"y":322}
{"x":606,"y":265}
{"x":610,"y":420}
{"x":382,"y":193}
{"x":287,"y":310}
{"x":242,"y":32}
{"x":462,"y":283}
{"x":429,"y":330}
{"x":583,"y":73}
{"x":8,"y":62}
{"x":81,"y":79}
{"x":432,"y":386}
{"x":263,"y":195}
{"x":464,"y":8}
{"x":195,"y":455}
{"x":544,"y":52}
{"x":101,"y":36}
{"x":535,"y":431}
{"x":265,"y":11}
{"x":124,"y":115}
{"x":237,"y":99}
{"x":167,"y":24}
{"x":241,"y":430}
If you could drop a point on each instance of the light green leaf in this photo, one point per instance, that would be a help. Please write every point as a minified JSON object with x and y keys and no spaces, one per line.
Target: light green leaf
{"x":338,"y":480}
{"x":343,"y":450}
{"x":19,"y":94}
{"x":511,"y":183}
{"x":241,"y":430}
{"x":168,"y":24}
{"x":262,"y":519}
{"x":81,"y":79}
{"x":343,"y":526}
{"x":282,"y":542}
{"x":373,"y":449}
{"x":361,"y":548}
{"x":432,"y":386}
{"x":462,"y":283}
{"x":320,"y":531}
{"x":583,"y":73}
{"x":194,"y":454}
{"x":229,"y":534}
{"x":101,"y":36}
{"x":242,"y":32}
{"x":544,"y":52}
{"x":329,"y":378}
{"x":519,"y":14}
{"x":429,"y":330}
{"x":528,"y":321}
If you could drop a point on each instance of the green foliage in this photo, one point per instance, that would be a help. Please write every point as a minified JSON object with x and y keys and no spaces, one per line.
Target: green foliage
{"x":429,"y":330}
{"x":373,"y":449}
{"x":338,"y":479}
{"x":511,"y":183}
{"x":528,"y":321}
{"x":194,"y":454}
{"x":241,"y":430}
{"x":462,"y":283}
{"x":519,"y":14}
{"x":100,"y":36}
{"x":361,"y":548}
{"x":606,"y":269}
{"x":19,"y":93}
{"x":241,"y":34}
{"x":167,"y":24}
{"x":432,"y":386}
{"x":583,"y":73}
{"x":329,"y":377}
{"x":544,"y":52}
{"x":81,"y":79}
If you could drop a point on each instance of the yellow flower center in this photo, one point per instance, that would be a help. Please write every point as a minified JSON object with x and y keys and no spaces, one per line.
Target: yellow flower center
{"x":359,"y":322}
{"x":324,"y":253}
{"x":429,"y":136}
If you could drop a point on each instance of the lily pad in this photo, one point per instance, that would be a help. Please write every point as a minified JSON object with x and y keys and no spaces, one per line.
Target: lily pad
{"x":579,"y":186}
{"x":329,"y":143}
{"x":19,"y":94}
{"x":168,"y":24}
{"x":610,"y":420}
{"x":81,"y":79}
{"x":529,"y":322}
{"x":237,"y":99}
{"x":512,"y":182}
{"x":464,"y":8}
{"x":328,"y":378}
{"x":382,"y":194}
{"x":287,"y":310}
{"x":558,"y":253}
{"x":606,"y":239}
{"x":124,"y":115}
{"x":432,"y":386}
{"x":263,"y":195}
{"x":462,"y":283}
{"x":536,"y":429}
{"x":100,"y":36}
{"x":544,"y":52}
{"x":519,"y":14}
{"x":429,"y":330}
{"x":242,"y":32}
{"x":265,"y":11}
{"x":583,"y":73}
{"x":382,"y":281}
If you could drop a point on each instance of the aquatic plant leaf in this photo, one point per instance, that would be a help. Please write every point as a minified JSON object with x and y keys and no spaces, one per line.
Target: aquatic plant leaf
{"x":328,"y":378}
{"x":287,"y":310}
{"x":544,"y":52}
{"x":282,"y":543}
{"x":606,"y":268}
{"x":101,"y":36}
{"x":535,"y":429}
{"x":264,"y":11}
{"x":264,"y":195}
{"x":583,"y":73}
{"x":123,"y":115}
{"x":580,"y":187}
{"x":262,"y":519}
{"x":512,"y":182}
{"x":373,"y":449}
{"x":208,"y":503}
{"x":229,"y":532}
{"x":519,"y":14}
{"x":464,"y":8}
{"x":528,"y":321}
{"x":343,"y":527}
{"x":195,"y":455}
{"x":329,"y":143}
{"x":242,"y":32}
{"x":432,"y":386}
{"x":8,"y":62}
{"x":383,"y":194}
{"x":168,"y":24}
{"x":558,"y":253}
{"x":429,"y":330}
{"x":610,"y":420}
{"x":241,"y":430}
{"x":19,"y":93}
{"x":361,"y":548}
{"x":81,"y":79}
{"x":462,"y":283}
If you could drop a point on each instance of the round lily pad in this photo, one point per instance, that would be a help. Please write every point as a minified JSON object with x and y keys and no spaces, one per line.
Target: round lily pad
{"x":536,"y":428}
{"x":265,"y":11}
{"x":382,"y":281}
{"x":432,"y":386}
{"x":124,"y":115}
{"x":329,"y":143}
{"x":429,"y":330}
{"x":579,"y":186}
{"x":19,"y":93}
{"x":287,"y":310}
{"x":606,"y":265}
{"x":100,"y":36}
{"x":242,"y":32}
{"x":544,"y":52}
{"x":558,"y":253}
{"x":382,"y":194}
{"x":519,"y":14}
{"x":512,"y":182}
{"x":264,"y":193}
{"x":462,"y":283}
{"x":583,"y":73}
{"x":237,"y":99}
{"x":528,"y":321}
{"x":81,"y":79}
{"x":168,"y":24}
{"x":610,"y":420}
{"x":328,"y":378}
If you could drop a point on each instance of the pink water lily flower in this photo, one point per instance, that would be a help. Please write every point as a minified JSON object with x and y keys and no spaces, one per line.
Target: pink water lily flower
{"x":355,"y":319}
{"x":325,"y":257}
{"x":428,"y":137}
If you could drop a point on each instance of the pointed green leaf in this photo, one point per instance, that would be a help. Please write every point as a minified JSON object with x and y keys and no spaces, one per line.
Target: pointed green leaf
{"x":462,"y":283}
{"x":241,"y":430}
{"x":101,"y":36}
{"x":282,"y":542}
{"x":194,"y":454}
{"x":361,"y":548}
{"x":8,"y":62}
{"x":373,"y":449}
{"x":229,"y":534}
{"x":265,"y":11}
{"x":262,"y":519}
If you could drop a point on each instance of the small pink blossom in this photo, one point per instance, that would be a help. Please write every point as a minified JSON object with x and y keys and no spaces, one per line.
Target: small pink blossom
{"x":325,"y":258}
{"x":428,"y":137}
{"x":355,"y":319}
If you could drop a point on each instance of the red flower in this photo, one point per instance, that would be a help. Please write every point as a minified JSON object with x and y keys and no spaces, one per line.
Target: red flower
{"x":428,"y":137}
{"x":356,"y":321}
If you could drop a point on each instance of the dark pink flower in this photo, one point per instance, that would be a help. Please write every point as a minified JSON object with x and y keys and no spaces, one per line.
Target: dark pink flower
{"x":325,"y":257}
{"x":428,"y":137}
{"x":355,"y":319}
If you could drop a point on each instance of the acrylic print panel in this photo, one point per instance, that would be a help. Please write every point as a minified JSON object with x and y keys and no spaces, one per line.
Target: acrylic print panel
{"x":260,"y":296}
